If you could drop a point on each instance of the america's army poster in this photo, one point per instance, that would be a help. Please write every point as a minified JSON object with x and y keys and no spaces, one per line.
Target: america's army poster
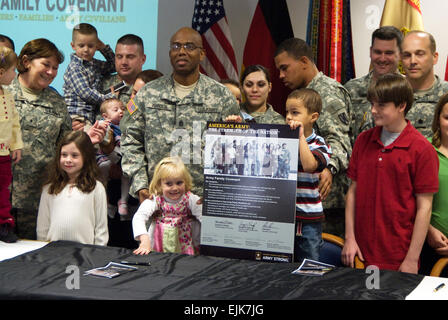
{"x":250,"y":174}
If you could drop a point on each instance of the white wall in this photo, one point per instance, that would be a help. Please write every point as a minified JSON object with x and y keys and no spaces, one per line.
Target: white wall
{"x":366,"y":16}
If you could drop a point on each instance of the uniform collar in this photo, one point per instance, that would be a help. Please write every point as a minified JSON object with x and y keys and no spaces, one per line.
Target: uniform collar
{"x":195,"y":96}
{"x":269,"y":109}
{"x":43,"y":99}
{"x":315,"y":79}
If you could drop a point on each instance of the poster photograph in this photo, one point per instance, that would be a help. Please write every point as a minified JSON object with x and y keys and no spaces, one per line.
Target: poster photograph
{"x":250,"y":174}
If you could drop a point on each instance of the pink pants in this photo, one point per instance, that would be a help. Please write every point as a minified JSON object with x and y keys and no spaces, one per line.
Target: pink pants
{"x":5,"y":181}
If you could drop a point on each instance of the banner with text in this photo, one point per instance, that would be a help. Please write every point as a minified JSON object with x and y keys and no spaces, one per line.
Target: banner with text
{"x":25,"y":20}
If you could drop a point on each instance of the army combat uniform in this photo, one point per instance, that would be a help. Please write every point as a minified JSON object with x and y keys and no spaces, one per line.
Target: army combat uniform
{"x":422,"y":112}
{"x":361,"y":113}
{"x":44,"y":123}
{"x":163,"y":125}
{"x":334,"y":126}
{"x":270,"y":116}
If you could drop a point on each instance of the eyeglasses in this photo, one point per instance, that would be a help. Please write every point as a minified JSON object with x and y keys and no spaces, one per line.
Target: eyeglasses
{"x":189,"y":46}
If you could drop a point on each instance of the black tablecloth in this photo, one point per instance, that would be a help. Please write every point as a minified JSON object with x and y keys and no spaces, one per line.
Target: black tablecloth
{"x":41,"y":274}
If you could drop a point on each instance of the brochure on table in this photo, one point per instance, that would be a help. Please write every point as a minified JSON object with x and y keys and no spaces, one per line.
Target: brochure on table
{"x":250,"y":176}
{"x":313,"y":268}
{"x":111,"y":270}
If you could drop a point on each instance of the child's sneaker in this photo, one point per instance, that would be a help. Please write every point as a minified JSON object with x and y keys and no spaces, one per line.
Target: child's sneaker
{"x":123,"y":210}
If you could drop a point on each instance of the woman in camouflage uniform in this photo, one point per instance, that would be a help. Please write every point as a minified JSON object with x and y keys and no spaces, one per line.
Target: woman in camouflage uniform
{"x":44,"y":121}
{"x":256,"y":85}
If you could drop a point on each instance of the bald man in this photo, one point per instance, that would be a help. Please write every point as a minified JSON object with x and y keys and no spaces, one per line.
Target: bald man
{"x":419,"y":55}
{"x":171,"y":113}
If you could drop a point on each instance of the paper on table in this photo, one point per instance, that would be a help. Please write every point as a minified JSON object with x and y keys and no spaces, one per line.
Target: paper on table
{"x":11,"y":250}
{"x":425,"y":289}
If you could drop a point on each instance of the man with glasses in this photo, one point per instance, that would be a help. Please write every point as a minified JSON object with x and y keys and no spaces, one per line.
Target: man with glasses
{"x":170,"y":113}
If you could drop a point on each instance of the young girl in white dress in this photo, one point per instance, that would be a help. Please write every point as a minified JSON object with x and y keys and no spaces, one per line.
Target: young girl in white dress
{"x":173,"y":211}
{"x":73,"y":204}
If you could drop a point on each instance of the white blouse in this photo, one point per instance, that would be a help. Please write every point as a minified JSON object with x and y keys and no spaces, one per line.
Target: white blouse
{"x":73,"y":215}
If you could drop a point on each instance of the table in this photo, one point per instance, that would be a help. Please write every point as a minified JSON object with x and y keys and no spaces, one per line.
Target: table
{"x":10,"y":250}
{"x":45,"y":272}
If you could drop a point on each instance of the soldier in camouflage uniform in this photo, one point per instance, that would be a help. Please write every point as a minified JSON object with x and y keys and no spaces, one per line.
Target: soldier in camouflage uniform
{"x":256,"y":90}
{"x":270,"y":116}
{"x":171,"y":113}
{"x":419,"y":56}
{"x":295,"y":62}
{"x":129,"y":61}
{"x":384,"y":58}
{"x":422,"y":112}
{"x":44,"y":120}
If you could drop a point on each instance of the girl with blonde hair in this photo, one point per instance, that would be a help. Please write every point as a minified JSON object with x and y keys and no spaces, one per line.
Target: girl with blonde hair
{"x":173,"y":210}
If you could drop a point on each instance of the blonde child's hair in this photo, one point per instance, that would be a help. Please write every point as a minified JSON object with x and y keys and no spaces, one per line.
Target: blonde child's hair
{"x":8,"y":58}
{"x":169,"y":167}
{"x":107,"y":102}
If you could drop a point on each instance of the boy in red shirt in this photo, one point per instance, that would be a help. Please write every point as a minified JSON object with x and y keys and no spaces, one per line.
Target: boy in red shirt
{"x":394,"y":173}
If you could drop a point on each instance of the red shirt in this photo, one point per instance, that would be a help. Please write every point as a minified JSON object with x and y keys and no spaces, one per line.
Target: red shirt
{"x":387,"y":180}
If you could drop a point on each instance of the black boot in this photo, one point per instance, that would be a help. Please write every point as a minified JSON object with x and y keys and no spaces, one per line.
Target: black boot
{"x":7,"y":234}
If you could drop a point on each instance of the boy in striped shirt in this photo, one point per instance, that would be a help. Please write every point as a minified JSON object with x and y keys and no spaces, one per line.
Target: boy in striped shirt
{"x":303,"y":108}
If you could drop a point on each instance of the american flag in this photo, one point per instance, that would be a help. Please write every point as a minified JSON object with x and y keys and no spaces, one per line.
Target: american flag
{"x":209,"y":19}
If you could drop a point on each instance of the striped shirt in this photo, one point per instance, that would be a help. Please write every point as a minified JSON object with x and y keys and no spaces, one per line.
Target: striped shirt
{"x":81,"y":84}
{"x":308,"y":203}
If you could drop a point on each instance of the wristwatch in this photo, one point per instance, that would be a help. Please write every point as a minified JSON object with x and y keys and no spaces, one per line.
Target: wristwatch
{"x":332,"y":169}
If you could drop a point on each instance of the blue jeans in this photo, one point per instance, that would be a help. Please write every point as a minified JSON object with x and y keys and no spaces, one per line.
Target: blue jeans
{"x":308,"y":245}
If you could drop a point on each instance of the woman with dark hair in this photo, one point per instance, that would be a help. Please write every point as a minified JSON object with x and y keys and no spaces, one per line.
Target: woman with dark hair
{"x":256,"y":85}
{"x":436,"y":245}
{"x":44,"y":120}
{"x":143,"y":78}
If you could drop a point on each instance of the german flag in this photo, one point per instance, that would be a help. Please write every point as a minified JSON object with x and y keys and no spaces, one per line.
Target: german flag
{"x":270,"y":26}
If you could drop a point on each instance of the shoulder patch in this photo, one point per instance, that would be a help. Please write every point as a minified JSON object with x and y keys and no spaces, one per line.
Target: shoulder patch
{"x":131,"y":106}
